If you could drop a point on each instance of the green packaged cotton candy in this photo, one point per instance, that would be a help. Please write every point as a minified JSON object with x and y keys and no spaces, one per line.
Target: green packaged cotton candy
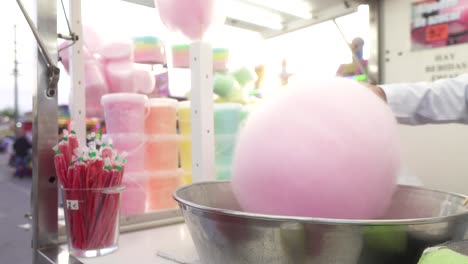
{"x":224,"y":85}
{"x":443,"y":256}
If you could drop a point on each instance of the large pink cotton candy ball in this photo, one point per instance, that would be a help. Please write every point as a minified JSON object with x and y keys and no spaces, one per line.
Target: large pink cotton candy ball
{"x":191,"y":17}
{"x":321,"y":149}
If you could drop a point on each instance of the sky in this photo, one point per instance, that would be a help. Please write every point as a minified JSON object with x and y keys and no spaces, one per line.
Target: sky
{"x":10,"y":16}
{"x":305,"y":48}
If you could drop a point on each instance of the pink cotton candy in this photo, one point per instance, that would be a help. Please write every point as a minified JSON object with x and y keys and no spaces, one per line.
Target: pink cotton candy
{"x":319,"y":149}
{"x":143,"y":81}
{"x":191,"y":17}
{"x":96,"y":87}
{"x":117,"y":51}
{"x":92,"y":39}
{"x":120,"y":77}
{"x":124,"y":113}
{"x":65,"y":49}
{"x":152,"y":55}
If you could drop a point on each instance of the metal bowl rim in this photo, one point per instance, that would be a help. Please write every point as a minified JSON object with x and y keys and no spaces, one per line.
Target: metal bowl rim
{"x":318,"y":220}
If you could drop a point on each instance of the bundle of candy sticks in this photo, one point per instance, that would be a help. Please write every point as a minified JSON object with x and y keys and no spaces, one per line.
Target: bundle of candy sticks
{"x":90,"y":177}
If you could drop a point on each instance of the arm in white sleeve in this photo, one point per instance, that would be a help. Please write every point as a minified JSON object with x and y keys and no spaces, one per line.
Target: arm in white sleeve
{"x":442,"y":101}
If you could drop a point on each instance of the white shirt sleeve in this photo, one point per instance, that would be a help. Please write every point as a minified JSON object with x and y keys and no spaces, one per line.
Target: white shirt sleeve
{"x":442,"y":101}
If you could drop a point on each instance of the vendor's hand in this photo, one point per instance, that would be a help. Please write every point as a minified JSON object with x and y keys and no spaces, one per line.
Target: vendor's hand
{"x":376,"y":89}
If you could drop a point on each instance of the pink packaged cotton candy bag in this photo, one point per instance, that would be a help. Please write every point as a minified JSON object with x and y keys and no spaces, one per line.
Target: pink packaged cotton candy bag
{"x":117,"y":51}
{"x":120,"y":77}
{"x":96,"y":87}
{"x":144,"y":81}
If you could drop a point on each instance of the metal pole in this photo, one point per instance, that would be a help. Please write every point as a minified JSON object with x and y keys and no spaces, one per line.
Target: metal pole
{"x":44,"y":196}
{"x":15,"y":73}
{"x":376,"y":50}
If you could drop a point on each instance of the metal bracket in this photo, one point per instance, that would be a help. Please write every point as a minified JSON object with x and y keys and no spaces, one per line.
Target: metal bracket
{"x":73,"y":37}
{"x":53,"y":72}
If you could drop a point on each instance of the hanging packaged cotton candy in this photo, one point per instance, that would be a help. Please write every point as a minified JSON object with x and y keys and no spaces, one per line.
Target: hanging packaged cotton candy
{"x":91,"y":181}
{"x":318,"y":149}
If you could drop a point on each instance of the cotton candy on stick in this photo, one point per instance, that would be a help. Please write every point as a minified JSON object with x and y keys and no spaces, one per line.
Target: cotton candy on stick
{"x":112,"y":202}
{"x":107,"y":149}
{"x":68,"y":144}
{"x":73,"y":142}
{"x":105,"y":224}
{"x":115,"y":179}
{"x":60,"y":166}
{"x":64,"y":149}
{"x":342,"y":149}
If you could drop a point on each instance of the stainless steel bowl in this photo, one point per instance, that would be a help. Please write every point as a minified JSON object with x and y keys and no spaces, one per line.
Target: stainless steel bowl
{"x":224,"y":234}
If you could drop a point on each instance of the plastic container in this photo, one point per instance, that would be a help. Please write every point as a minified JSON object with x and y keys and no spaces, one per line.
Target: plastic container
{"x":185,"y":150}
{"x":224,"y":150}
{"x":92,"y":220}
{"x":134,"y":145}
{"x":187,"y":178}
{"x":161,"y":153}
{"x":223,"y":173}
{"x":134,"y":197}
{"x":184,"y":118}
{"x":124,"y":113}
{"x":245,"y":112}
{"x":161,"y":117}
{"x":161,"y":185}
{"x":226,"y":118}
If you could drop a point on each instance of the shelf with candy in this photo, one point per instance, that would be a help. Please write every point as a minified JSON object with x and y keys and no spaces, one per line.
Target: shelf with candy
{"x":109,"y":69}
{"x":181,"y":55}
{"x":150,"y":51}
{"x":233,"y":87}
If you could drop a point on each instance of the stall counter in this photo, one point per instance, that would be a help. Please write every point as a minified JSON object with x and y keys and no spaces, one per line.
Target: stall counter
{"x":163,"y":245}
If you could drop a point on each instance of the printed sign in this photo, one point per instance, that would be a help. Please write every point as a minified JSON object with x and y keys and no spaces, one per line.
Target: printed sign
{"x":72,"y":205}
{"x":439,"y":23}
{"x":446,"y":65}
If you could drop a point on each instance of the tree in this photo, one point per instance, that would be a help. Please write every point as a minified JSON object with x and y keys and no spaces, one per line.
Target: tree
{"x":9,"y":112}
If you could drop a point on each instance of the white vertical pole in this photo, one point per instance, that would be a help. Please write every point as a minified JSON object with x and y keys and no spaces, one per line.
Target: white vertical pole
{"x":201,"y":104}
{"x":77,"y":64}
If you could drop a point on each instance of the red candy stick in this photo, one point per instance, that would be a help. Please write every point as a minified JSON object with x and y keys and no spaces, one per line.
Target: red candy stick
{"x":64,"y":148}
{"x":84,"y":171}
{"x":73,"y":142}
